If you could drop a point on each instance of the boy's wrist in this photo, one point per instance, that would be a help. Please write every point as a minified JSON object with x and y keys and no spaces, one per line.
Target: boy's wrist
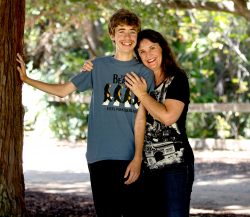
{"x":138,"y":158}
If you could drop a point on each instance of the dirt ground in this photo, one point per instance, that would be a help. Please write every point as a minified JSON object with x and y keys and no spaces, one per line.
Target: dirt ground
{"x":57,"y":181}
{"x":222,"y":182}
{"x":41,"y":204}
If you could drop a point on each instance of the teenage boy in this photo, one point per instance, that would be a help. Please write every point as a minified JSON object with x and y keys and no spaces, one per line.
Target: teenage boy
{"x":113,"y":159}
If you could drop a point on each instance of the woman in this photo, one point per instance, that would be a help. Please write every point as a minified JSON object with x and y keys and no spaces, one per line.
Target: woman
{"x":168,"y":158}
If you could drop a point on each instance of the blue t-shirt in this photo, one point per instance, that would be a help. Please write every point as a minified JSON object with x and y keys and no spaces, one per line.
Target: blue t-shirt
{"x":112,"y":109}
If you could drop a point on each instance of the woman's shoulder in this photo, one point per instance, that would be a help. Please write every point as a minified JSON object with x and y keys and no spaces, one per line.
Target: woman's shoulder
{"x":181,"y":76}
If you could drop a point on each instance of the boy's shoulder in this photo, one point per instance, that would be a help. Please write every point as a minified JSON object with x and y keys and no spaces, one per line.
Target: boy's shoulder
{"x":145,"y":70}
{"x":101,"y":60}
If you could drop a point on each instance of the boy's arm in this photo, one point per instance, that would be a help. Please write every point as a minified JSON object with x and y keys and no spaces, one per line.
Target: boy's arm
{"x":134,"y":168}
{"x":60,"y":90}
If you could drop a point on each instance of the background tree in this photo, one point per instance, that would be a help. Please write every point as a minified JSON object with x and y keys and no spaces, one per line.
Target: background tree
{"x":12,"y":16}
{"x":210,"y":39}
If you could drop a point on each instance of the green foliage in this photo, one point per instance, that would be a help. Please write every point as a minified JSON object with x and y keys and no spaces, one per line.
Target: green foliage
{"x":222,"y":125}
{"x":200,"y":125}
{"x":212,"y":47}
{"x":69,"y":120}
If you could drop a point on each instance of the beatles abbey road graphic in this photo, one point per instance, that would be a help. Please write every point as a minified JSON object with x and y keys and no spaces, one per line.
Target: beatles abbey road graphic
{"x":117,"y":97}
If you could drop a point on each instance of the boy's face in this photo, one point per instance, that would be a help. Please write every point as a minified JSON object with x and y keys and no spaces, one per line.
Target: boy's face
{"x":124,"y":38}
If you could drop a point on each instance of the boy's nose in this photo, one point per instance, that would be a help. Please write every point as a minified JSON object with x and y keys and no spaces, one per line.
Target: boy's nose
{"x":127,"y":34}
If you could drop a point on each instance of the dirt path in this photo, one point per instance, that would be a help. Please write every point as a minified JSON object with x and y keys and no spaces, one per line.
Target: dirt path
{"x":222,"y":179}
{"x":222,"y":182}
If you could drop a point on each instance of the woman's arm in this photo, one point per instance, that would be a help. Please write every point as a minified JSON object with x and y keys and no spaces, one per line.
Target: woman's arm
{"x":167,"y":113}
{"x":60,"y":90}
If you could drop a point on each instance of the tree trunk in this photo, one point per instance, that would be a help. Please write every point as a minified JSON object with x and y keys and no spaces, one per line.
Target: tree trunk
{"x":12,"y":190}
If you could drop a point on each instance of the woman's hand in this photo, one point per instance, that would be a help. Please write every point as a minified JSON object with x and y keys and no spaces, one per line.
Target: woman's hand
{"x":136,"y":84}
{"x":22,"y":68}
{"x":88,"y":66}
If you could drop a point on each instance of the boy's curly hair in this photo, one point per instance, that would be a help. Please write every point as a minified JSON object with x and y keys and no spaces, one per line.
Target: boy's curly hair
{"x":123,"y":17}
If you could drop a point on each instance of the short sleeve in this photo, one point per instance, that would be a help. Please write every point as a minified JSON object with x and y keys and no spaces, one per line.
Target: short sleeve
{"x":179,"y":88}
{"x":151,"y":82}
{"x":148,"y":75}
{"x":82,"y":81}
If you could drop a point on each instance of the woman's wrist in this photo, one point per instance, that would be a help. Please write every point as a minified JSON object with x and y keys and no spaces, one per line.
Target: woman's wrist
{"x":142,"y":95}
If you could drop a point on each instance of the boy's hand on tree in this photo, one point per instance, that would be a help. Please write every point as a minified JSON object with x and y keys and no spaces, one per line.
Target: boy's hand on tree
{"x":21,"y":68}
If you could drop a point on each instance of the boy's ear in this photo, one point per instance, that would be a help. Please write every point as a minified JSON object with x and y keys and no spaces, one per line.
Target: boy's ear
{"x":112,"y":37}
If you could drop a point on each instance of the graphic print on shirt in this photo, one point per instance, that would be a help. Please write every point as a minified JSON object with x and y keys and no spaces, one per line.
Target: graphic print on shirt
{"x":163,"y":144}
{"x":127,"y":98}
{"x":116,"y":94}
{"x":107,"y":95}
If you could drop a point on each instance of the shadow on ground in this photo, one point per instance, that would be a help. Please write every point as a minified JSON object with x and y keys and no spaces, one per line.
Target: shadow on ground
{"x":64,"y":205}
{"x":58,"y":182}
{"x":219,"y":191}
{"x":221,"y":186}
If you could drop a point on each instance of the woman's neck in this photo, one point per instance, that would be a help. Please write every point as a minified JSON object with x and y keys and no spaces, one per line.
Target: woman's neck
{"x":159,"y":77}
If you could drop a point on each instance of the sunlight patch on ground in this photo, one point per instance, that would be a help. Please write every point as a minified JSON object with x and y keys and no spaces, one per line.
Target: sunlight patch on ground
{"x":55,"y":187}
{"x":43,"y":153}
{"x":221,"y":182}
{"x":239,"y":210}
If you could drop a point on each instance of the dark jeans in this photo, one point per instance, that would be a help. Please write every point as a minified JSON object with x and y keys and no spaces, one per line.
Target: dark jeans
{"x":168,"y":191}
{"x":112,"y":198}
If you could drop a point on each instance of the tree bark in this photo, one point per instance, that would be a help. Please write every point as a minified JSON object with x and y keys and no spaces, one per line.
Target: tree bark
{"x":12,"y":190}
{"x":92,"y":33}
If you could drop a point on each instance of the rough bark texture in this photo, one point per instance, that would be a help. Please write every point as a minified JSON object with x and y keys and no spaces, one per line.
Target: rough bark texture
{"x":12,"y":15}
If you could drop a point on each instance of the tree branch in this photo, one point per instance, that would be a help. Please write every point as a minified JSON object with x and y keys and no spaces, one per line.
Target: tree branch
{"x":237,"y":7}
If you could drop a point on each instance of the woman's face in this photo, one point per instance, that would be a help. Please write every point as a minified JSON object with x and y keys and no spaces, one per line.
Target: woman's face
{"x":151,"y":54}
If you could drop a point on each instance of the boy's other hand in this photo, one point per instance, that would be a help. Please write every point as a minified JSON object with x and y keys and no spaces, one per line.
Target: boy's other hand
{"x":132,"y":172}
{"x":88,"y":66}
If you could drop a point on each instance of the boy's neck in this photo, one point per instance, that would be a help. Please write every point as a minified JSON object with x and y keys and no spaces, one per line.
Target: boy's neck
{"x":124,"y":56}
